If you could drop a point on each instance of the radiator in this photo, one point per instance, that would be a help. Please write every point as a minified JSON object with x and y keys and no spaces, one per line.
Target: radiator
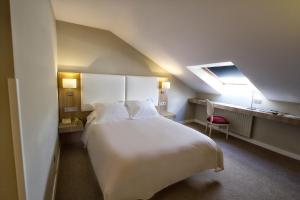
{"x":240,"y":123}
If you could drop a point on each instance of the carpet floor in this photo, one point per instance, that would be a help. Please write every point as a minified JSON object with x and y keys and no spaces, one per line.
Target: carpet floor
{"x":251,"y":173}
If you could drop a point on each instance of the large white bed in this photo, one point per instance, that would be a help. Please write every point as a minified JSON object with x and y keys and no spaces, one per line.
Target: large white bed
{"x":134,"y":151}
{"x":134,"y":159}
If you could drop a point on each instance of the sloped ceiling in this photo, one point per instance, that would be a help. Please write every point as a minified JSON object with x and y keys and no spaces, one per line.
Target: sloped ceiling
{"x":262,"y":37}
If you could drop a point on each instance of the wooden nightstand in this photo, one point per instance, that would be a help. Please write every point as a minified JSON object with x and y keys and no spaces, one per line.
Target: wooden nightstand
{"x":167,"y":114}
{"x":71,"y":128}
{"x":70,"y":133}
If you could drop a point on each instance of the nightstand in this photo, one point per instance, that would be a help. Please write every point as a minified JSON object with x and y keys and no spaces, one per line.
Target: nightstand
{"x":167,"y":114}
{"x":70,"y":133}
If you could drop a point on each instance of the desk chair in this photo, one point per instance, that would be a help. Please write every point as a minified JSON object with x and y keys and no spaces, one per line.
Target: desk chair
{"x":213,"y":120}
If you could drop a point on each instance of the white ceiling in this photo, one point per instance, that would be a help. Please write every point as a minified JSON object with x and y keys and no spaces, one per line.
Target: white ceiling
{"x":262,"y":37}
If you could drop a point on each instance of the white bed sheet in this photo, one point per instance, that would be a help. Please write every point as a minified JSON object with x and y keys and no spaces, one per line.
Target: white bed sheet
{"x":134,"y":159}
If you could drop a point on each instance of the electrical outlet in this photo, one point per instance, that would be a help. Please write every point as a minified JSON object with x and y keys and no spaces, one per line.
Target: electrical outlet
{"x":162,"y":103}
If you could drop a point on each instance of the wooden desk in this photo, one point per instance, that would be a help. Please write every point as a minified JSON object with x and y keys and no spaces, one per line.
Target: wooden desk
{"x":256,"y":113}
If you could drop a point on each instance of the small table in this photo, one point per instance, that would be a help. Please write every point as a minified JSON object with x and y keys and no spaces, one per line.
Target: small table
{"x":167,"y":114}
{"x":70,"y":133}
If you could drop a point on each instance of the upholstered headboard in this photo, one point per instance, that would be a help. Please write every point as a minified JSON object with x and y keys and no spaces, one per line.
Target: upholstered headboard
{"x":112,"y":88}
{"x":142,"y":88}
{"x":101,"y":88}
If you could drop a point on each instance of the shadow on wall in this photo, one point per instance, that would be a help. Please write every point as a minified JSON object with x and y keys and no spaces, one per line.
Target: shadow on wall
{"x":178,"y":95}
{"x":91,"y":50}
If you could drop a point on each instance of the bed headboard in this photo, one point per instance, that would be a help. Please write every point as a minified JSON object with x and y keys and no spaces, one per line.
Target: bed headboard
{"x":112,"y":88}
{"x":101,"y":88}
{"x":142,"y":88}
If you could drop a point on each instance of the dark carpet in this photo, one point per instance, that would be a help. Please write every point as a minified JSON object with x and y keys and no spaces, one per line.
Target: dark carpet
{"x":250,"y":173}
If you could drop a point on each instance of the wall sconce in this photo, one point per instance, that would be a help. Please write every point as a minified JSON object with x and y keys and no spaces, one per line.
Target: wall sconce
{"x":165,"y":85}
{"x":69,"y":83}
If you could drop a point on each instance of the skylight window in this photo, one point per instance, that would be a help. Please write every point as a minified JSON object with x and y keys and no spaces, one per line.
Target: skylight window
{"x":229,"y":75}
{"x":224,"y":77}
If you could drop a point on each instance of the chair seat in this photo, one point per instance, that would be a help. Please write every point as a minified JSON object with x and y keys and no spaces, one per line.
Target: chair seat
{"x":218,"y":120}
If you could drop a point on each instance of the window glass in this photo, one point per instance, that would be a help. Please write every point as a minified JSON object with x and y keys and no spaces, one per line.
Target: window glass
{"x":229,"y":75}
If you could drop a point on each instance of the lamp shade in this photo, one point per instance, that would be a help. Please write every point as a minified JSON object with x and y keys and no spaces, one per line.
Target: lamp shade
{"x":165,"y":85}
{"x":69,"y":83}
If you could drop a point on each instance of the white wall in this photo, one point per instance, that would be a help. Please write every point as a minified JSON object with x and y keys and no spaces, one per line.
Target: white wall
{"x":260,"y":37}
{"x":34,"y":46}
{"x":177,"y":100}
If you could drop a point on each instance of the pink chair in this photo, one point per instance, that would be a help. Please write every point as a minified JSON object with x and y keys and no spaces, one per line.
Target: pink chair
{"x":213,"y":120}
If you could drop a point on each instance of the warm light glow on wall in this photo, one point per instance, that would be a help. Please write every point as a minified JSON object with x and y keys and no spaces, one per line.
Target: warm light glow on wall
{"x":166,"y":85}
{"x":69,"y":83}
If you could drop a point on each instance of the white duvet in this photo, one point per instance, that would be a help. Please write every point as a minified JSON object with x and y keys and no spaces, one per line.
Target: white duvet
{"x":134,"y":159}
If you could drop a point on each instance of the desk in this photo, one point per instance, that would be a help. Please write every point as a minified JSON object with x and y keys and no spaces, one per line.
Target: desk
{"x":292,"y":120}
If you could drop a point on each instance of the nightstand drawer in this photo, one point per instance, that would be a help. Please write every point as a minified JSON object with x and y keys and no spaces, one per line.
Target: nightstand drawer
{"x":71,"y":128}
{"x":70,"y":133}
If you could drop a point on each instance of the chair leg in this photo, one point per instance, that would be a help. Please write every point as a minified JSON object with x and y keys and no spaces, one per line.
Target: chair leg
{"x":227,"y":133}
{"x":210,"y":129}
{"x":206,"y":127}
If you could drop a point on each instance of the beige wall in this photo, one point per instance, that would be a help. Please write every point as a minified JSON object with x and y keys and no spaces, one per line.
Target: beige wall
{"x":34,"y":46}
{"x":276,"y":134}
{"x":280,"y":135}
{"x":90,"y":50}
{"x":8,"y":184}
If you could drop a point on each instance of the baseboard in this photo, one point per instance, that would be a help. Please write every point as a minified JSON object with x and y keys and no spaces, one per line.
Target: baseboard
{"x":52,"y":175}
{"x":55,"y":177}
{"x":14,"y":105}
{"x":252,"y":141}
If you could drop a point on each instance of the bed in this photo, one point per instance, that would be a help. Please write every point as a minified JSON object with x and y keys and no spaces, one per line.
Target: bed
{"x":134,"y":158}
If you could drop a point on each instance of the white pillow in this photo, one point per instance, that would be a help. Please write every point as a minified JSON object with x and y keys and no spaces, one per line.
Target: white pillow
{"x":110,"y":112}
{"x":91,"y":117}
{"x":141,"y":109}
